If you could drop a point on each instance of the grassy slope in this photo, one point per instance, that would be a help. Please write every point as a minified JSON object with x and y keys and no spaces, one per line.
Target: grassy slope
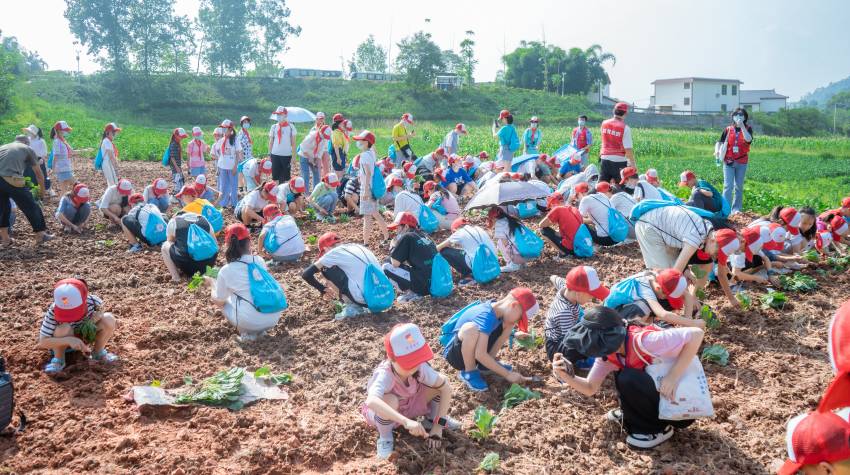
{"x":814,"y":171}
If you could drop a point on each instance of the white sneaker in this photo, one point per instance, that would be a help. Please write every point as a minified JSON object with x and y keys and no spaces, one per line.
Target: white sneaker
{"x":409,"y":296}
{"x":649,"y":441}
{"x":615,"y":415}
{"x":512,"y":267}
{"x":385,"y":448}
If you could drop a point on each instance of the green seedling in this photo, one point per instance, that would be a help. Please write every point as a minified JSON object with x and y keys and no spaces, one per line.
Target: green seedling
{"x":773,"y":299}
{"x":811,"y":255}
{"x":490,"y":463}
{"x":484,"y":421}
{"x":798,"y":282}
{"x":212,"y":272}
{"x":698,"y":272}
{"x":744,"y":299}
{"x":700,"y":293}
{"x":311,"y":213}
{"x":344,"y":218}
{"x":87,"y":331}
{"x":716,"y":354}
{"x":265,"y":373}
{"x":220,"y":389}
{"x":517,"y":394}
{"x":312,"y":240}
{"x":100,"y":227}
{"x":839,"y":264}
{"x":711,"y":320}
{"x":106,"y":242}
{"x":530,"y":342}
{"x":195,"y":282}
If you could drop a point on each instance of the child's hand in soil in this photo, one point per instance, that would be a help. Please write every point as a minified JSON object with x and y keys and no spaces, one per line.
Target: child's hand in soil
{"x":209,"y":281}
{"x":415,"y":428}
{"x":78,"y":345}
{"x":329,"y":294}
{"x":562,"y":368}
{"x":515,"y":377}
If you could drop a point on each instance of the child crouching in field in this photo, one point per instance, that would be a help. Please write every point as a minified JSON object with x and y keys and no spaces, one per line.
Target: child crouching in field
{"x":581,"y":286}
{"x":404,"y":387}
{"x":65,"y":318}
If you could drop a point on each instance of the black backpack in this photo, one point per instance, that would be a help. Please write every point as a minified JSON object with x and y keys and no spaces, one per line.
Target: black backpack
{"x":7,"y":400}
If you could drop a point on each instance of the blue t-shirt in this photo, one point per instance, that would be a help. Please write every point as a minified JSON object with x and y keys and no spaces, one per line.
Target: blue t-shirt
{"x":482,"y":315}
{"x":505,"y":134}
{"x":460,"y":177}
{"x":566,"y":167}
{"x":67,"y":207}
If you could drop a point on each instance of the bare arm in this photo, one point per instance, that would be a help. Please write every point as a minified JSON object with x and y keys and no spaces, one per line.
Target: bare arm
{"x":544,"y":223}
{"x":684,"y":256}
{"x":630,"y":157}
{"x":211,"y":282}
{"x":723,"y":280}
{"x":45,"y":343}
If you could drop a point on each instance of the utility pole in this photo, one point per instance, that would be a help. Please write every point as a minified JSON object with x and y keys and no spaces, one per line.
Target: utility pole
{"x":834,"y":113}
{"x":77,"y":51}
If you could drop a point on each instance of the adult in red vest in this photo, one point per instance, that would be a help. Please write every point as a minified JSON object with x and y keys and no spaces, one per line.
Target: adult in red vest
{"x":626,"y":350}
{"x":616,"y":152}
{"x":738,"y":136}
{"x":582,"y":139}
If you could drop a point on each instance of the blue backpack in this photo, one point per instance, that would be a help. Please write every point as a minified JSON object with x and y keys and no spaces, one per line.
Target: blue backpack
{"x":618,"y":225}
{"x":270,"y":241}
{"x":50,"y":160}
{"x":154,"y":232}
{"x":485,"y":265}
{"x":441,"y":277}
{"x":645,"y":206}
{"x":529,"y":244}
{"x":622,"y":293}
{"x":201,"y":245}
{"x":266,"y":292}
{"x":667,"y":196}
{"x":213,"y":216}
{"x":438,"y":206}
{"x":447,"y":331}
{"x":166,"y":157}
{"x":527,"y":209}
{"x":98,"y":160}
{"x":378,"y":291}
{"x":427,"y":221}
{"x":582,"y":242}
{"x":721,"y":206}
{"x":379,"y":188}
{"x":391,"y":152}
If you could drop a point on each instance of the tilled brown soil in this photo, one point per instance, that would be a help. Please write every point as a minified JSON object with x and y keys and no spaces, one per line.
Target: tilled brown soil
{"x":81,"y":421}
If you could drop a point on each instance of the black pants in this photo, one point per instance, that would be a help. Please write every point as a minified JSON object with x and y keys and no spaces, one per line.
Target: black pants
{"x":639,"y":402}
{"x":337,"y":277}
{"x":454,"y":355}
{"x":24,"y":201}
{"x":281,"y":167}
{"x":457,"y":259}
{"x":601,"y":240}
{"x":31,"y":174}
{"x":403,"y":276}
{"x":407,"y":153}
{"x":610,"y":170}
{"x":338,"y":162}
{"x":555,"y":238}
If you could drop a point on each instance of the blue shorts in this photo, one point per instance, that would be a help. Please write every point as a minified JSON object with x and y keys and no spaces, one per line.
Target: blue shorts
{"x":195,"y":171}
{"x":65,"y":176}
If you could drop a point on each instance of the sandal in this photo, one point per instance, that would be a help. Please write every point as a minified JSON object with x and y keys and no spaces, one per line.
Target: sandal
{"x":435,"y":442}
{"x":55,"y":366}
{"x":104,"y":356}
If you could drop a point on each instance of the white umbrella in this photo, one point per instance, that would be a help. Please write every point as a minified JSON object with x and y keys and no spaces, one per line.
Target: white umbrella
{"x":297,"y":114}
{"x":503,"y":193}
{"x":517,"y":161}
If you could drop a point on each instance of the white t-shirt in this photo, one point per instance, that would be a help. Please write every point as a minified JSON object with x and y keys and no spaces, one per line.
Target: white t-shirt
{"x":287,"y":234}
{"x":407,"y":201}
{"x":110,"y":197}
{"x":106,"y":145}
{"x":145,"y":213}
{"x":283,"y":147}
{"x":623,"y":202}
{"x":227,"y":158}
{"x":254,"y":200}
{"x":233,"y":280}
{"x":469,"y":237}
{"x":596,"y":206}
{"x":367,"y":162}
{"x":310,"y":149}
{"x":192,"y":218}
{"x":249,"y":169}
{"x":677,"y":225}
{"x":428,"y":162}
{"x":39,"y":147}
{"x":148,"y":193}
{"x":645,"y":191}
{"x":352,"y":259}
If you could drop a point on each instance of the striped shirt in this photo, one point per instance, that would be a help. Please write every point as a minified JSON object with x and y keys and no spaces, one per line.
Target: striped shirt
{"x":678,"y":226}
{"x":562,"y":314}
{"x":49,"y":323}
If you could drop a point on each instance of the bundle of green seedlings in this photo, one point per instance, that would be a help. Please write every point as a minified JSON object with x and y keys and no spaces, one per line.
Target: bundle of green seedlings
{"x":716,"y":354}
{"x":798,"y":282}
{"x":773,"y":299}
{"x":531,"y":341}
{"x":711,"y":320}
{"x":490,"y":463}
{"x":197,"y":280}
{"x":484,"y":421}
{"x":87,"y":331}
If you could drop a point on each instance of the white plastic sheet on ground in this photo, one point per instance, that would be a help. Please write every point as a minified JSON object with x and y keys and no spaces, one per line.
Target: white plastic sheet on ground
{"x":252,"y":390}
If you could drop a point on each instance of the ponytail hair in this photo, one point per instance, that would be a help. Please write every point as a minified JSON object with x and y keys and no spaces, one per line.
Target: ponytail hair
{"x":774,"y":215}
{"x":812,"y":231}
{"x":236,"y":248}
{"x":53,"y":133}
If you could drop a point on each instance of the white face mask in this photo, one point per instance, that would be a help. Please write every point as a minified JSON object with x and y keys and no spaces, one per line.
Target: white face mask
{"x":738,"y":119}
{"x":361,"y":145}
{"x":581,"y":123}
{"x":246,"y":125}
{"x":534,"y":125}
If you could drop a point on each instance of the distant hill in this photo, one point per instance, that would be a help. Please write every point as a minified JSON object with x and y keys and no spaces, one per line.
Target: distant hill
{"x":821,"y":95}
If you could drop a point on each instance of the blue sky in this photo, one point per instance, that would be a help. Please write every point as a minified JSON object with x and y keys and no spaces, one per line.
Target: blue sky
{"x":791,"y":46}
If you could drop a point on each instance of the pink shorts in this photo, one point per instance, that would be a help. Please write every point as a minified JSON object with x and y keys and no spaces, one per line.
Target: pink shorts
{"x":411,"y":408}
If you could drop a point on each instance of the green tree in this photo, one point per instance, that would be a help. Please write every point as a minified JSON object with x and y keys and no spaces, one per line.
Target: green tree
{"x":10,"y":62}
{"x":596,"y":60}
{"x":467,"y":54}
{"x":534,"y":65}
{"x":525,"y":66}
{"x":840,"y":100}
{"x":149,"y":29}
{"x":452,"y":62}
{"x":271,"y":19}
{"x":370,"y":56}
{"x":800,"y":122}
{"x":182,"y":45}
{"x":101,"y":26}
{"x":419,"y":59}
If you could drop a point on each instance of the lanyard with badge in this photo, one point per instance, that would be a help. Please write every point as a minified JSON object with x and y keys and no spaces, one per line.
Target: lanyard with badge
{"x":735,"y":141}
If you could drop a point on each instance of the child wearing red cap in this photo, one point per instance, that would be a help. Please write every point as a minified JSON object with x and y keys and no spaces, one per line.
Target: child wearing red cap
{"x":395,"y":185}
{"x":204,"y":191}
{"x":625,"y":350}
{"x":568,"y":220}
{"x":505,"y":222}
{"x":456,"y":179}
{"x":507,"y":136}
{"x":451,"y":142}
{"x":250,"y":207}
{"x":136,"y":221}
{"x":196,"y":150}
{"x":175,"y":250}
{"x":60,"y":328}
{"x":443,"y":202}
{"x":343,"y":269}
{"x":649,"y":295}
{"x":581,"y":286}
{"x":750,"y":263}
{"x":701,"y":196}
{"x":405,"y":387}
{"x":570,"y":167}
{"x":157,"y":194}
{"x":408,"y":201}
{"x":368,"y":205}
{"x":74,"y":209}
{"x":481,"y":329}
{"x":175,"y":156}
{"x":109,"y":154}
{"x":290,"y":195}
{"x":324,"y":198}
{"x":411,"y":255}
{"x":255,"y":171}
{"x":288,"y":238}
{"x":460,"y":248}
{"x":113,"y":204}
{"x":229,"y":153}
{"x":594,"y":210}
{"x":800,"y":225}
{"x":231,"y":289}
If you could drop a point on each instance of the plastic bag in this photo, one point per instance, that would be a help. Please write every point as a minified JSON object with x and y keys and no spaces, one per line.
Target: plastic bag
{"x":693,"y":399}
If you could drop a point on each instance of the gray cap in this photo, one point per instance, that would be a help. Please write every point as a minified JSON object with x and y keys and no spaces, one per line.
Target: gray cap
{"x":22,"y":139}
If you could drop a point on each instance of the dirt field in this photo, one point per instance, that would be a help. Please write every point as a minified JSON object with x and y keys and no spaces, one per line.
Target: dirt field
{"x":82,"y":423}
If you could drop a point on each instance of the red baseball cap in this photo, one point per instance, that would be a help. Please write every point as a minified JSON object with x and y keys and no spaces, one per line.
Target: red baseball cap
{"x":160,"y":187}
{"x":407,"y":117}
{"x":845,"y":203}
{"x":428,"y":188}
{"x":461,"y":127}
{"x":603,"y":187}
{"x":326,"y":241}
{"x":396,"y":181}
{"x":135,"y":198}
{"x":82,"y":194}
{"x":727,"y":244}
{"x":621,"y":106}
{"x":529,"y":305}
{"x":453,"y":158}
{"x":407,"y":347}
{"x":674,"y":285}
{"x":823,"y":239}
{"x":792,"y":218}
{"x":337,"y":117}
{"x":778,"y":234}
{"x":581,"y":187}
{"x":271,"y":211}
{"x":504,"y":113}
{"x":821,"y":436}
{"x":440,"y":151}
{"x":186,"y":190}
{"x":459,"y":223}
{"x":366,"y":136}
{"x":754,"y":240}
{"x":585,"y":279}
{"x":685,"y":177}
{"x":125,"y":187}
{"x":839,"y":339}
{"x":331,"y":179}
{"x":297,"y":185}
{"x":405,"y":218}
{"x":627,"y":173}
{"x":409,"y":169}
{"x":69,"y":300}
{"x":652,"y":176}
{"x":236,"y":229}
{"x":483,"y":155}
{"x":266,"y":166}
{"x":269,"y":187}
{"x":555,"y":199}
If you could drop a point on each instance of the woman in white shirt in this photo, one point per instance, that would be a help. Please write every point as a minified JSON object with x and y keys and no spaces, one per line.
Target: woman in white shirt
{"x":231,"y":290}
{"x":229,"y":155}
{"x":109,"y":152}
{"x":281,"y":145}
{"x":313,"y":154}
{"x":287,"y":236}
